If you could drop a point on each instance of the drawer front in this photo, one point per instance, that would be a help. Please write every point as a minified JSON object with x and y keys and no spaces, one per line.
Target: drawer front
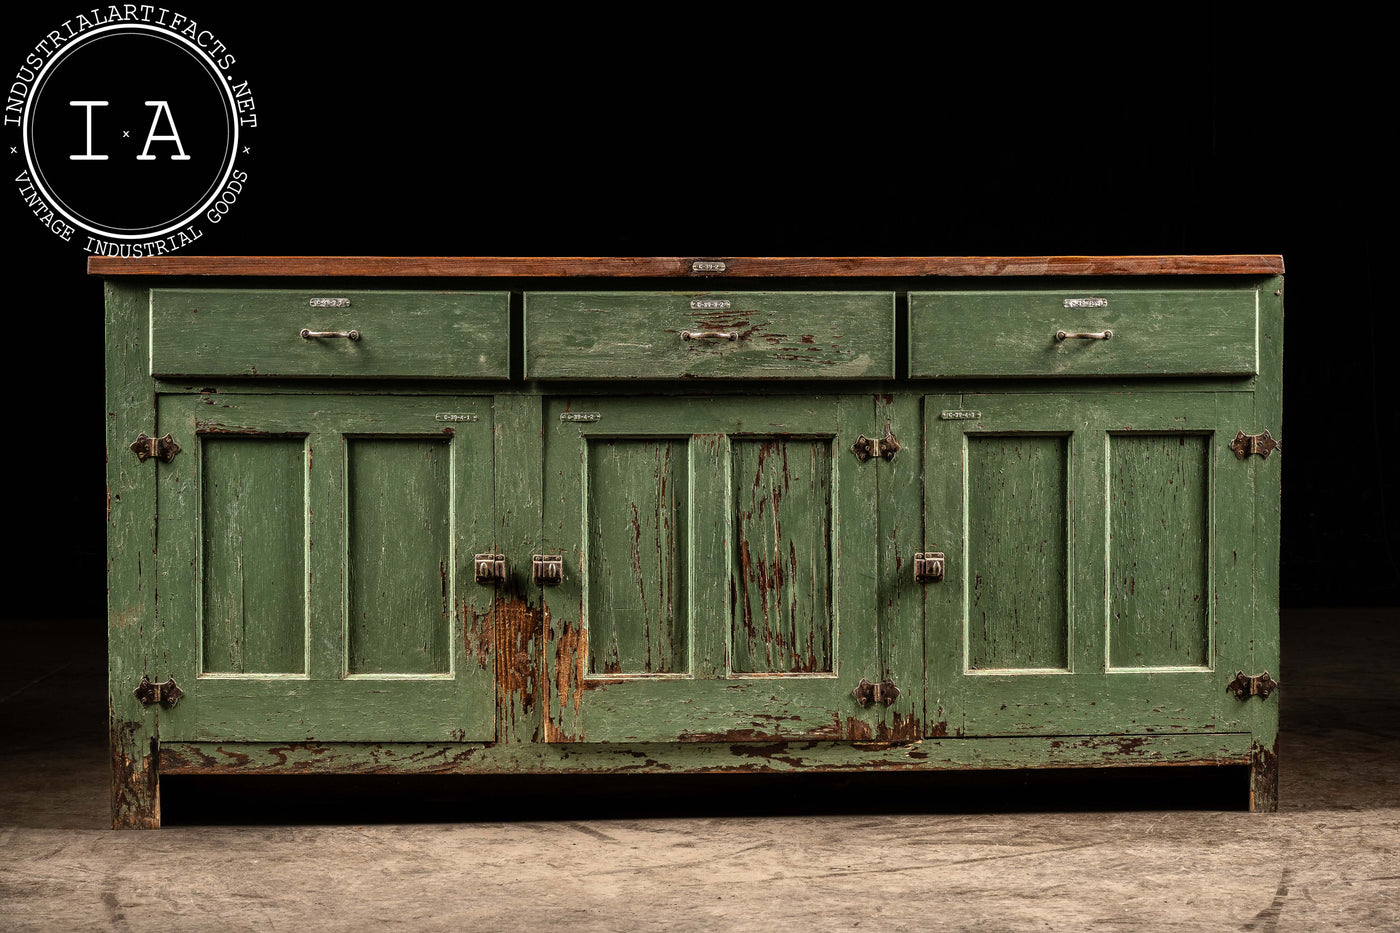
{"x":1153,"y":333}
{"x":398,"y":334}
{"x":715,"y":335}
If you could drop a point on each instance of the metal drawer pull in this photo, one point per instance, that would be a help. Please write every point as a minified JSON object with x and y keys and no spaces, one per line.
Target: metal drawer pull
{"x":709,"y":335}
{"x":312,"y":334}
{"x":1101,"y":335}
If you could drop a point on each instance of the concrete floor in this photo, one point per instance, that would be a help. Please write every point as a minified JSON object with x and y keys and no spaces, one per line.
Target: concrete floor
{"x":1008,"y":852}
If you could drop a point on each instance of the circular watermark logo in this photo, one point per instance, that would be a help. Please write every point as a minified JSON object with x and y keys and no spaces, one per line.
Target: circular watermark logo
{"x":126,"y":125}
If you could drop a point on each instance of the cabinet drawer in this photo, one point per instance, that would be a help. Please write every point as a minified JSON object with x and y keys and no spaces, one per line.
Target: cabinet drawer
{"x":715,"y":335}
{"x":1017,"y":333}
{"x":400,"y":334}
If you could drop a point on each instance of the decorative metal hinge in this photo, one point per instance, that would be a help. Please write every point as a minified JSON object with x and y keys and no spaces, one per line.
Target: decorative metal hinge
{"x":548,"y":569}
{"x":884,"y":692}
{"x":883,"y":447}
{"x":163,"y":447}
{"x":1245,"y":685}
{"x":928,"y":567}
{"x":1262,"y":444}
{"x":166,"y":694}
{"x":490,"y":568}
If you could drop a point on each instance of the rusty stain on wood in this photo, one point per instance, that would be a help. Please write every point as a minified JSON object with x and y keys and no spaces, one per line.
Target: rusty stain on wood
{"x":135,"y":791}
{"x":520,"y":630}
{"x":565,"y":694}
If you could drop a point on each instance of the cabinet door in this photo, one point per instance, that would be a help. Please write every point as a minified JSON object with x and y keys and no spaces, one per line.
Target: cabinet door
{"x":719,"y":571}
{"x":1099,"y":556}
{"x":316,"y":579}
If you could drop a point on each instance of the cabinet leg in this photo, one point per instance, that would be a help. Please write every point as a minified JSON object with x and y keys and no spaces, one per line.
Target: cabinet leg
{"x":1263,"y":779}
{"x":135,"y":782}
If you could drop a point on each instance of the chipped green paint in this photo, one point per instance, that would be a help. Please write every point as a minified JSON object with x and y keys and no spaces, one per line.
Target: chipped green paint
{"x":731,"y":570}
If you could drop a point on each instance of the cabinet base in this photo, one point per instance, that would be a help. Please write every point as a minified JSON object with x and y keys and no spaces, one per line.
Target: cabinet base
{"x":234,"y":758}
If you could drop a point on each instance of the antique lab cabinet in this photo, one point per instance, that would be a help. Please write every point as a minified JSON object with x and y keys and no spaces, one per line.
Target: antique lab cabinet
{"x":417,"y":515}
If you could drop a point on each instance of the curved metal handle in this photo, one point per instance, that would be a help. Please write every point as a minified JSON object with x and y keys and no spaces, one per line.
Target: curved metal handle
{"x":709,"y":335}
{"x":313,"y":334}
{"x":1067,"y":335}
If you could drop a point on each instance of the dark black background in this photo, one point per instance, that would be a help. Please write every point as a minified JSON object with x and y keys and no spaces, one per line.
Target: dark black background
{"x":703,"y":131}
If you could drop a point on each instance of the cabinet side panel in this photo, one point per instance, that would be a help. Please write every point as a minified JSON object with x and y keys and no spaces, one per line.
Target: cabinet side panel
{"x":398,"y":551}
{"x":1159,"y":550}
{"x":252,"y":538}
{"x":1017,"y":546}
{"x":782,"y":619}
{"x":135,"y":640}
{"x":637,"y":504}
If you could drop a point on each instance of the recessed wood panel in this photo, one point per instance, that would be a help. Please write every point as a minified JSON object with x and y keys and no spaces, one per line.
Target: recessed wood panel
{"x":782,"y":559}
{"x":1159,"y":550}
{"x":636,"y":540}
{"x":398,"y":561}
{"x":1017,"y":552}
{"x":252,"y":551}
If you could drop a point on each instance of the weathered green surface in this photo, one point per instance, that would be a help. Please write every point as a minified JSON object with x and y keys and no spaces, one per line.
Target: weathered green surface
{"x":254,"y":574}
{"x":779,"y":335}
{"x":134,"y":635}
{"x":1017,"y":552}
{"x":398,"y":548}
{"x":385,"y":515}
{"x":1262,"y":715}
{"x":1007,"y":333}
{"x":1159,"y":552}
{"x":1164,"y":690}
{"x":638,"y":504}
{"x":782,"y":517}
{"x":248,"y":332}
{"x":794,"y":679}
{"x":731,"y":570}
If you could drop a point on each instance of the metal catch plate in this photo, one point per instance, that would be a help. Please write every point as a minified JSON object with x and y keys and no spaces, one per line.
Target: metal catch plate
{"x":166,"y":694}
{"x":490,"y":568}
{"x":163,"y":448}
{"x":884,"y":692}
{"x":1262,"y":444}
{"x":547,"y":569}
{"x":928,"y":567}
{"x":1245,"y":685}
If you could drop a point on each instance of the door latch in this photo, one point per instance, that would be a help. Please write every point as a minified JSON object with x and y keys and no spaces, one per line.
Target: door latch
{"x":548,"y":569}
{"x":884,"y":692}
{"x":164,"y":448}
{"x":1245,"y":685}
{"x":928,"y":567}
{"x":166,"y":694}
{"x":1262,"y":444}
{"x":490,"y":568}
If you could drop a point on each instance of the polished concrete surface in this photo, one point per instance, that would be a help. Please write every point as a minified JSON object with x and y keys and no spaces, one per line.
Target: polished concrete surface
{"x":1166,"y":849}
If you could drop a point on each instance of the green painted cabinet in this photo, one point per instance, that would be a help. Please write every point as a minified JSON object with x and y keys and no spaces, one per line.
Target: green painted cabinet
{"x":717,"y":585}
{"x":1100,"y":562}
{"x":814,"y":514}
{"x":314,"y":568}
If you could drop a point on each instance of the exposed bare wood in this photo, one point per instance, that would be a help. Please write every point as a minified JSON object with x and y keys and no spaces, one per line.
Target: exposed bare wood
{"x":673,"y":266}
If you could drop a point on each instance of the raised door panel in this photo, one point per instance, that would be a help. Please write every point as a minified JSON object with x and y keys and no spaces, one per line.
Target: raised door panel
{"x":1099,"y":554}
{"x":718,"y":571}
{"x":315,"y":568}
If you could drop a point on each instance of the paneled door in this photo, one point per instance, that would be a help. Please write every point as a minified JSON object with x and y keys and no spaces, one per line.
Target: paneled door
{"x":1099,"y":562}
{"x":316,"y":579}
{"x":719,"y":573}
